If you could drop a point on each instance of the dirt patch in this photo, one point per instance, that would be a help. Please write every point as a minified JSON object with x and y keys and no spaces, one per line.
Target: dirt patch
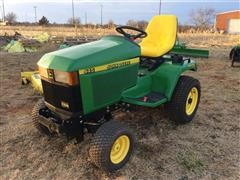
{"x":207,"y":148}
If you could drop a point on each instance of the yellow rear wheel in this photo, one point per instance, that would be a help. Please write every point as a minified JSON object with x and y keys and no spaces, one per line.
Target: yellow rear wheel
{"x":192,"y":101}
{"x":185,"y":99}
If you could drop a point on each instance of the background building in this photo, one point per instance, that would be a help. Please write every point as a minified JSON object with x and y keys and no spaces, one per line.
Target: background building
{"x":228,"y":21}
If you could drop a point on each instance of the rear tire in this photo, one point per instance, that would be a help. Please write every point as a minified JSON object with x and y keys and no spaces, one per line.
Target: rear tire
{"x":35,"y":116}
{"x":112,"y":146}
{"x":185,"y":100}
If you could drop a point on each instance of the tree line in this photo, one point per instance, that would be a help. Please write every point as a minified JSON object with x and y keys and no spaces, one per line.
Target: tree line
{"x":201,"y":19}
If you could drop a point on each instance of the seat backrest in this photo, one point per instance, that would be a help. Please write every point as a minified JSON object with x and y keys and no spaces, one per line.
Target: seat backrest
{"x":162,"y":32}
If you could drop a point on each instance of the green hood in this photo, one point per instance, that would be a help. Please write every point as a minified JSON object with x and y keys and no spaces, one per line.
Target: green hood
{"x":107,"y":50}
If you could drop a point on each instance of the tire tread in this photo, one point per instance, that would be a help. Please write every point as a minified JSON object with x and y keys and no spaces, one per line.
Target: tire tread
{"x":102,"y":143}
{"x":176,"y":107}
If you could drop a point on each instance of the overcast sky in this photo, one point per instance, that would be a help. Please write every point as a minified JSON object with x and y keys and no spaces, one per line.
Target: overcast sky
{"x":119,"y":10}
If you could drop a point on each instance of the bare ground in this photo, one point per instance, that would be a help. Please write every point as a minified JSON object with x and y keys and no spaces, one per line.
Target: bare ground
{"x":207,"y":148}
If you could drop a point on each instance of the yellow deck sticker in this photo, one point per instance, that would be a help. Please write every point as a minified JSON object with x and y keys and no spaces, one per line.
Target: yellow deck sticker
{"x":105,"y":67}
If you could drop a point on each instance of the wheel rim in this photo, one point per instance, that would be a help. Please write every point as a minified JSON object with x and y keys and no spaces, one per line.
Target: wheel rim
{"x":192,"y":100}
{"x":119,"y":149}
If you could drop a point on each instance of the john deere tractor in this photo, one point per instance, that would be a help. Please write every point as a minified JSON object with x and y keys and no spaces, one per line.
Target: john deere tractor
{"x":84,"y":85}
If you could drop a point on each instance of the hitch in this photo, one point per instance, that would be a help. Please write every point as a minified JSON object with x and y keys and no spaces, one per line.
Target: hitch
{"x":50,"y":124}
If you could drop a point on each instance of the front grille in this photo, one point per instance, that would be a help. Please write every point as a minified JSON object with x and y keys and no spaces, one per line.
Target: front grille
{"x":55,"y":94}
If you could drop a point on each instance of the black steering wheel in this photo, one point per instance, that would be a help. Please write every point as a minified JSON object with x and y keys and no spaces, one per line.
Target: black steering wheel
{"x":140,"y":34}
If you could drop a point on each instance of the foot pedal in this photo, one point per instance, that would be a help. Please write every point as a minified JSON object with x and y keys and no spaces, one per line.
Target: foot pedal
{"x":152,"y":97}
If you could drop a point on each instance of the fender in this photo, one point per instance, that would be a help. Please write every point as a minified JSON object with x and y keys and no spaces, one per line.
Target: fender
{"x":165,"y":79}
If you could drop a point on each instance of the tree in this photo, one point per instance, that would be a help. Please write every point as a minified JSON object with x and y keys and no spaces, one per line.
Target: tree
{"x":132,"y":23}
{"x":111,"y":24}
{"x":11,"y":17}
{"x":202,"y":18}
{"x":76,"y":20}
{"x":43,"y":21}
{"x":138,"y":24}
{"x":142,"y":24}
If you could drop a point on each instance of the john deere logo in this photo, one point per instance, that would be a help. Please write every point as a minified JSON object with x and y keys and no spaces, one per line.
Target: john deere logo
{"x":50,"y":74}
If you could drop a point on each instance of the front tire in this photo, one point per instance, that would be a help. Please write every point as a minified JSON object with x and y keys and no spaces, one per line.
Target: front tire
{"x":185,"y":100}
{"x":35,"y":116}
{"x":112,"y":146}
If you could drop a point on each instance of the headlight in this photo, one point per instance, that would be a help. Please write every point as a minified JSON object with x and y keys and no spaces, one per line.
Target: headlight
{"x":43,"y":72}
{"x":70,"y":78}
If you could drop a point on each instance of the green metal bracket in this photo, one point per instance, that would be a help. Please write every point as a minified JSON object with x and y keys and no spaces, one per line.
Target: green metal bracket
{"x":181,"y":49}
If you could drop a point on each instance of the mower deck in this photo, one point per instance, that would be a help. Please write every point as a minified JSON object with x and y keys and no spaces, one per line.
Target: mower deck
{"x":34,"y":78}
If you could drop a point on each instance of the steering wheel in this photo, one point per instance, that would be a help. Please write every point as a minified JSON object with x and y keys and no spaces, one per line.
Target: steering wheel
{"x":140,"y":34}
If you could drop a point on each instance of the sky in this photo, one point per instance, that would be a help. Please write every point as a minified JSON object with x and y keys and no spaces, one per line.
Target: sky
{"x":120,"y":11}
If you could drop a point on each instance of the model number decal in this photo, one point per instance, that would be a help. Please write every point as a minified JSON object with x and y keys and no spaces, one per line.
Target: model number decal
{"x":89,"y":70}
{"x":118,"y":65}
{"x":109,"y":66}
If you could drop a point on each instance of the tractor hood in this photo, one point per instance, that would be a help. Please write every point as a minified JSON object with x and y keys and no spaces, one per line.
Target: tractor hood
{"x":107,"y":50}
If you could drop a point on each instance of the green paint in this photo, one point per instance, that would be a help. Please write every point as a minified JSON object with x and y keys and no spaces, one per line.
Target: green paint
{"x":181,"y":49}
{"x":191,"y":52}
{"x":162,"y":80}
{"x":107,"y":50}
{"x":105,"y":88}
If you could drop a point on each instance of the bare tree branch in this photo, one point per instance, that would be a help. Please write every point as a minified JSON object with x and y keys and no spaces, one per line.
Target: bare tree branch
{"x":202,"y":18}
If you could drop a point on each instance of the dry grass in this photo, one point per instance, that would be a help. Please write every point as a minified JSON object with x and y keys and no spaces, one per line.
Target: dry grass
{"x":210,"y":40}
{"x":30,"y":31}
{"x":190,"y":160}
{"x":164,"y":150}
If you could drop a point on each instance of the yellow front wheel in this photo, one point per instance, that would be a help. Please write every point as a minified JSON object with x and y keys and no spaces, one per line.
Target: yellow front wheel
{"x":119,"y":149}
{"x":112,"y":146}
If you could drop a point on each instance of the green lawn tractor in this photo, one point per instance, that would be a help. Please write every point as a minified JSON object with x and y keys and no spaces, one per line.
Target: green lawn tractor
{"x":85,"y":85}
